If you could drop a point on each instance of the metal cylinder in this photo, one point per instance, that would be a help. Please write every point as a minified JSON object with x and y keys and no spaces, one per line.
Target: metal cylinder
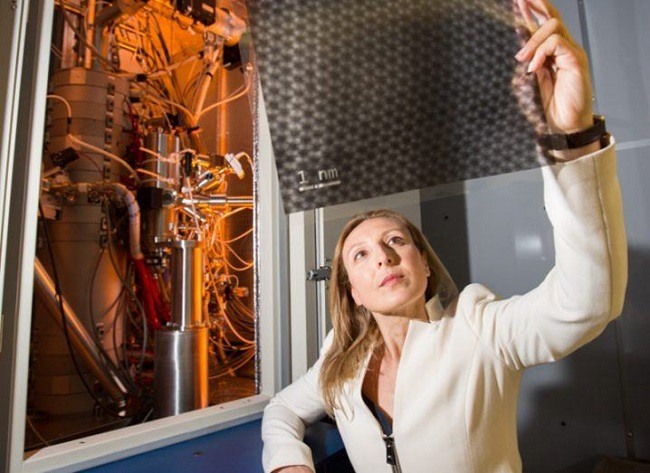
{"x":166,"y":145}
{"x":87,"y":276}
{"x":97,"y":102}
{"x":187,"y":284}
{"x":180,"y":371}
{"x":181,"y":360}
{"x":161,"y":182}
{"x":219,"y":199}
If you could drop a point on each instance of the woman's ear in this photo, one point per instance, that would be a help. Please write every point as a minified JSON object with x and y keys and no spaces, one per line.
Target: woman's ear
{"x":355,"y":295}
{"x":425,"y":263}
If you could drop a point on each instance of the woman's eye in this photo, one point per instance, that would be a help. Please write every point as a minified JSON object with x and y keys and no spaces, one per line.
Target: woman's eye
{"x":358,"y":255}
{"x":395,"y":240}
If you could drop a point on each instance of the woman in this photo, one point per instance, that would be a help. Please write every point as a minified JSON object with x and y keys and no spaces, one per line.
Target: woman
{"x":420,"y":379}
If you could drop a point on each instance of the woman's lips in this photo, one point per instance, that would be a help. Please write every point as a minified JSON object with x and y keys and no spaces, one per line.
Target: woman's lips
{"x":390,"y":280}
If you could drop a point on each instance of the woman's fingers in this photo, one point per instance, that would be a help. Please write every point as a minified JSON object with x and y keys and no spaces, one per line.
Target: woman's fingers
{"x":537,"y":12}
{"x":565,"y":55}
{"x":544,"y":8}
{"x":551,"y":27}
{"x":561,"y":66}
{"x":551,"y":40}
{"x":529,"y":18}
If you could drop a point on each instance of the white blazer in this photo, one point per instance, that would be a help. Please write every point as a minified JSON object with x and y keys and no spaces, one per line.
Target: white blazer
{"x":456,"y":392}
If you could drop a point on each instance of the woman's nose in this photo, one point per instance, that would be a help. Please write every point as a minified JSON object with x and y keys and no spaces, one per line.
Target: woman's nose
{"x":385,"y":257}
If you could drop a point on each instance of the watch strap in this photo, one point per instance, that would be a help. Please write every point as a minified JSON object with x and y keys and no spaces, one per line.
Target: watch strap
{"x":560,"y":141}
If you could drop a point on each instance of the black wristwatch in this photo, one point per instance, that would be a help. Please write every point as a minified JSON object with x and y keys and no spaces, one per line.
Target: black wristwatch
{"x":559,"y":141}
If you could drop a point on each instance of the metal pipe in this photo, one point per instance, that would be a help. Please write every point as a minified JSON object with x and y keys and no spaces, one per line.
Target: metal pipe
{"x":240,"y":201}
{"x":193,"y":213}
{"x":79,"y":337}
{"x":187,"y":284}
{"x":211,"y":69}
{"x":90,"y":34}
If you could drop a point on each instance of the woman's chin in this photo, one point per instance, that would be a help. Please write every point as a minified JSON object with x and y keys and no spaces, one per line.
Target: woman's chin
{"x":398,"y":308}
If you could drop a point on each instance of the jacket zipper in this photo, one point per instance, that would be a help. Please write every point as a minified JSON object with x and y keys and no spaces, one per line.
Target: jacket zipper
{"x":391,"y":453}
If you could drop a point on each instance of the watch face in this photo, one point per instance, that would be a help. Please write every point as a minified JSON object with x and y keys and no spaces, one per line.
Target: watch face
{"x":373,"y":97}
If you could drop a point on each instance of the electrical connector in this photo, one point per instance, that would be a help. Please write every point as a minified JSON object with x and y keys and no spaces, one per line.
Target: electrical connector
{"x":64,"y":157}
{"x":235,"y":165}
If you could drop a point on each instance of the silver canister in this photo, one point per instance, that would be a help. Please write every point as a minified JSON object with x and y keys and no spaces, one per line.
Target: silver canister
{"x":181,"y":371}
{"x":181,"y":361}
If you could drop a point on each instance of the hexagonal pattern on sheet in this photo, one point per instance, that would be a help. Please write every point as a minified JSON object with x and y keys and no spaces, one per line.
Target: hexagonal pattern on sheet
{"x":373,"y":97}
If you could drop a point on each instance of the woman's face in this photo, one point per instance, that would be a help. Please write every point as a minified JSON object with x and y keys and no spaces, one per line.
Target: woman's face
{"x":387,"y":272}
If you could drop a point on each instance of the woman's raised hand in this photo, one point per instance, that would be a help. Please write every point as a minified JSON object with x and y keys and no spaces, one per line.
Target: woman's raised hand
{"x":561,"y":66}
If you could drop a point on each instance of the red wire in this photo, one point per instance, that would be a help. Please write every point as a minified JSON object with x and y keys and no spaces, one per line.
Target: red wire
{"x":150,"y":294}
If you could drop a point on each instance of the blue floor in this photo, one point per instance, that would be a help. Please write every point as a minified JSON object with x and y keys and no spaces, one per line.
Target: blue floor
{"x":234,"y":450}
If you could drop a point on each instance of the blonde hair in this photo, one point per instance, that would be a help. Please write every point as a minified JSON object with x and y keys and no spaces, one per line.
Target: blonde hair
{"x":355,"y":329}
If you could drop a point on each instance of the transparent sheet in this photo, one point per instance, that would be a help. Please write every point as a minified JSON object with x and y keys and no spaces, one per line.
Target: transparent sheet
{"x":373,"y":97}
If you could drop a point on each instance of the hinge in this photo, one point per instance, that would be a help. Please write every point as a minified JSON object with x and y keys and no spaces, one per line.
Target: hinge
{"x":319,"y":274}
